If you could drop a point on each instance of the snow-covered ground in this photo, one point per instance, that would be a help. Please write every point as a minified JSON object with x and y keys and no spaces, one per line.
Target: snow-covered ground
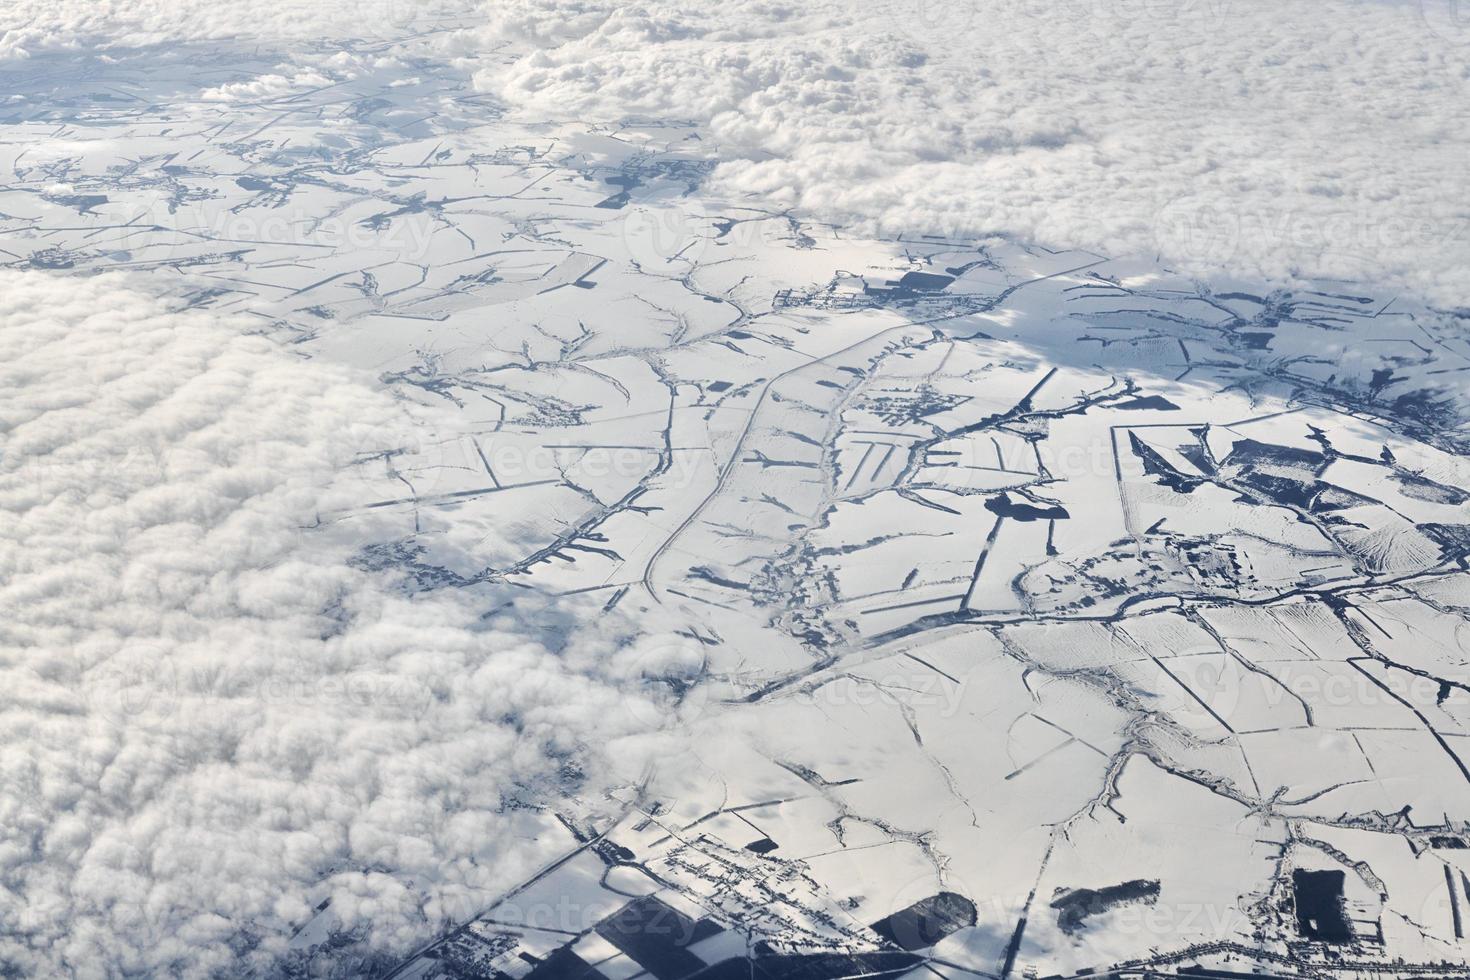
{"x":585,"y":491}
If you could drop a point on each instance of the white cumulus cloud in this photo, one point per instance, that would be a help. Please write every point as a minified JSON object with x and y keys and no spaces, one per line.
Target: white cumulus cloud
{"x":30,"y":27}
{"x":213,"y":717}
{"x":1258,"y":137}
{"x":264,"y":87}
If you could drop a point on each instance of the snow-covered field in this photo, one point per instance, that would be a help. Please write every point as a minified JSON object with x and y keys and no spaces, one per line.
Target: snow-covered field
{"x":593,"y":491}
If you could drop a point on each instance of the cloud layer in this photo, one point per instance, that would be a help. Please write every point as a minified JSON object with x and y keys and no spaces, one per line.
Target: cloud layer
{"x":1273,"y":138}
{"x":29,"y":27}
{"x":212,"y":718}
{"x":1259,"y":137}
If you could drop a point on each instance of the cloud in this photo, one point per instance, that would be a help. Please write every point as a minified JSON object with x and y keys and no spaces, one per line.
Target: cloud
{"x":1243,"y":136}
{"x":213,"y":717}
{"x":1262,"y":138}
{"x":34,"y":26}
{"x":1251,"y":137}
{"x":264,"y":87}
